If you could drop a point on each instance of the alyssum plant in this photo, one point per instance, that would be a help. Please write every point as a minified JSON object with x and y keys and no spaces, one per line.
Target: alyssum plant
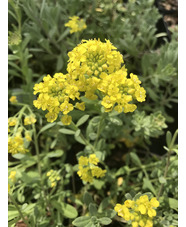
{"x":96,"y":76}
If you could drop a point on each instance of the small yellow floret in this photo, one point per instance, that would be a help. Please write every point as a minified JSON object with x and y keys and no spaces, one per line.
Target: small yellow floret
{"x":13,"y":99}
{"x":66,"y":119}
{"x":76,"y":24}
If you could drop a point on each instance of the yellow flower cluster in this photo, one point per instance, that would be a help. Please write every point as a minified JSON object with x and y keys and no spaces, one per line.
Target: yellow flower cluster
{"x":97,"y":68}
{"x":13,"y":99}
{"x":16,"y":144}
{"x":88,"y":168}
{"x":15,"y":139}
{"x":12,"y":179}
{"x":55,"y":96}
{"x":12,"y":121}
{"x":139,"y":212}
{"x":76,"y":24}
{"x":53,"y":177}
{"x":94,"y":71}
{"x":31,"y":119}
{"x":12,"y":176}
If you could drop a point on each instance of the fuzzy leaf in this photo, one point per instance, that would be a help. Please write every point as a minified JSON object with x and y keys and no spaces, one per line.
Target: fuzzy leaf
{"x":81,"y":221}
{"x":82,"y":120}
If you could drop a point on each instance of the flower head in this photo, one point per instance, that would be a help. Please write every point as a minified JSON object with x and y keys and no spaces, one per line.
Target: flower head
{"x":53,"y":177}
{"x":57,"y":94}
{"x":13,"y":99}
{"x":12,"y":176}
{"x":88,"y":168}
{"x":12,"y":121}
{"x":139,"y":212}
{"x":76,"y":24}
{"x":95,"y":71}
{"x":92,"y":57}
{"x":16,"y":144}
{"x":28,"y":120}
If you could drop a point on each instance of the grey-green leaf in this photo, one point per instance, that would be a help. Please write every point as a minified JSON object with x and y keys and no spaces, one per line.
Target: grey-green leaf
{"x":81,"y":221}
{"x":87,"y":198}
{"x":82,"y":120}
{"x":135,"y":159}
{"x":105,"y":221}
{"x":66,"y":131}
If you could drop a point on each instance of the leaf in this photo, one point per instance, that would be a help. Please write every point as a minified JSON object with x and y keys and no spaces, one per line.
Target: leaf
{"x":92,"y":135}
{"x":105,"y":221}
{"x":147,"y":184}
{"x":173,"y":203}
{"x":19,"y":156}
{"x":56,"y":153}
{"x":28,"y":208}
{"x":12,"y":57}
{"x":63,"y":35}
{"x":12,"y":212}
{"x":162,"y":180}
{"x":168,"y":138}
{"x":104,"y":204}
{"x":67,"y":131}
{"x":69,"y":211}
{"x":87,"y":198}
{"x":81,"y":221}
{"x":82,"y":120}
{"x":98,"y":184}
{"x":128,"y":196}
{"x":50,"y":125}
{"x":116,"y":121}
{"x":110,"y":213}
{"x":99,"y":155}
{"x":135,"y":159}
{"x":77,"y":133}
{"x":92,"y":209}
{"x":79,"y":139}
{"x":60,"y":63}
{"x":52,"y":145}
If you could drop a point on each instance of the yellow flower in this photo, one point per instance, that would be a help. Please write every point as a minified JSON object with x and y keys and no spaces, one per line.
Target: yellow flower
{"x":97,"y":172}
{"x":13,"y":99}
{"x":55,"y":95}
{"x":92,"y":58}
{"x":135,"y":224}
{"x":53,"y":177}
{"x":16,"y":144}
{"x":139,"y":212}
{"x":80,"y":106}
{"x":12,"y":121}
{"x":93,"y":159}
{"x":66,"y":107}
{"x":154,"y":202}
{"x":88,"y":168}
{"x":12,"y":176}
{"x":118,"y":208}
{"x":76,"y":24}
{"x":28,"y":120}
{"x":95,"y":71}
{"x":66,"y":119}
{"x":83,"y":161}
{"x":28,"y":136}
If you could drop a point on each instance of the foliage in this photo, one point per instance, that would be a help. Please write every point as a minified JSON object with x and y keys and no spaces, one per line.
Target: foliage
{"x":44,"y":187}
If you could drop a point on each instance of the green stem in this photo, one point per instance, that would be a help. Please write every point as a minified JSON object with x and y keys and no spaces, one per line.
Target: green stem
{"x":99,"y":129}
{"x":37,"y":152}
{"x":18,"y":209}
